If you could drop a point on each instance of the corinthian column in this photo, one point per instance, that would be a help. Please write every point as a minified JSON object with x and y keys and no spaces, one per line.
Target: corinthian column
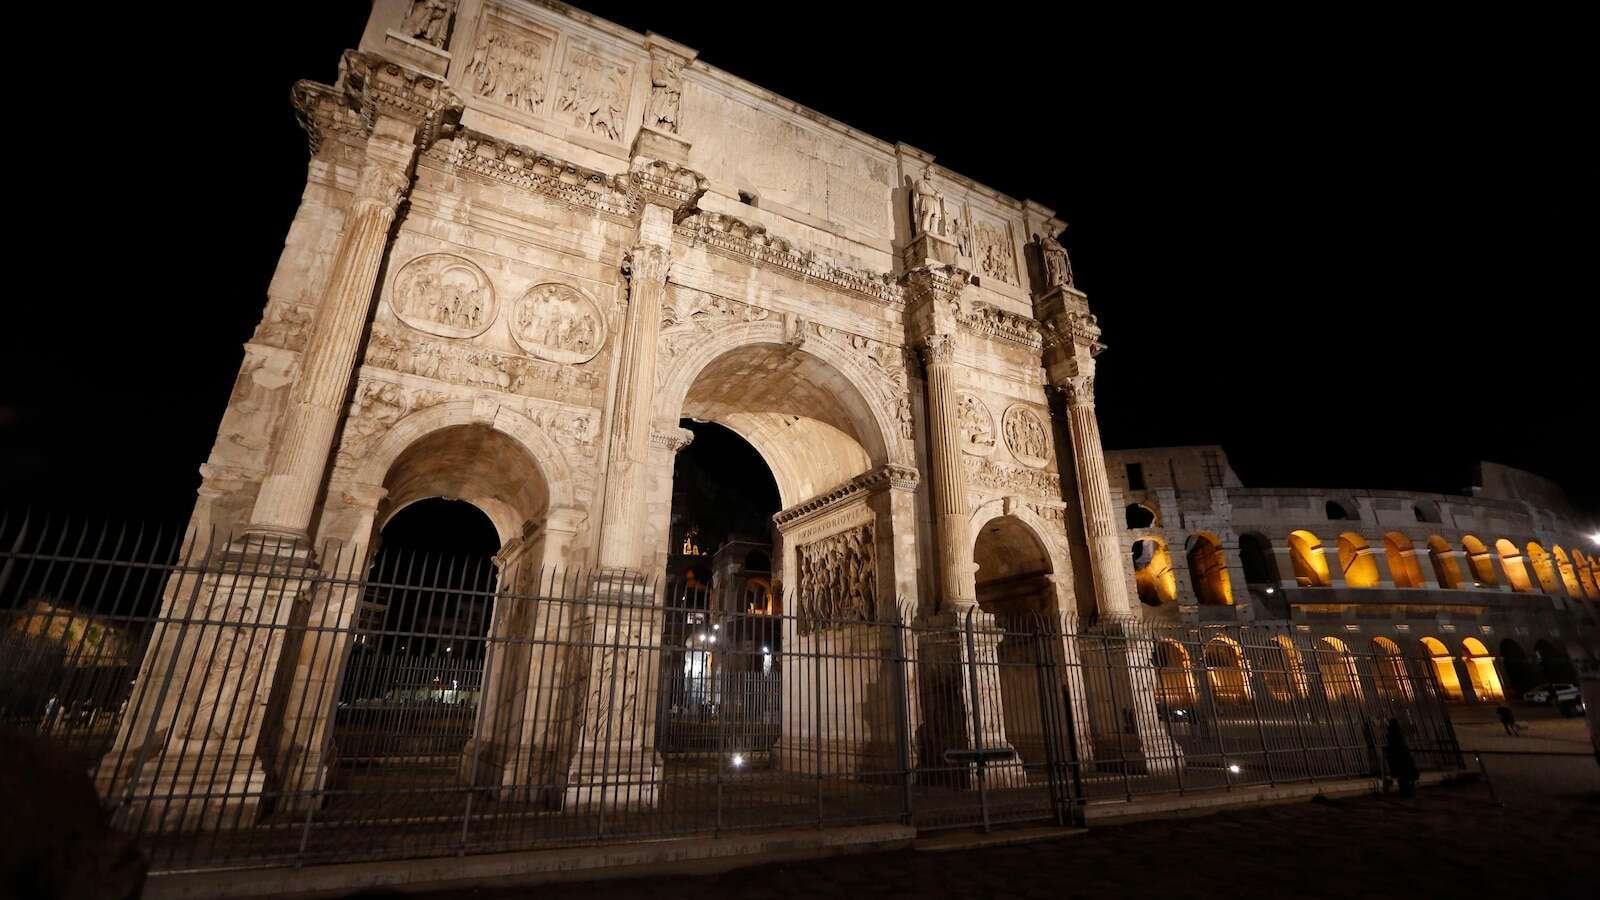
{"x":948,"y":478}
{"x":1094,"y":491}
{"x":620,"y":546}
{"x":294,"y":475}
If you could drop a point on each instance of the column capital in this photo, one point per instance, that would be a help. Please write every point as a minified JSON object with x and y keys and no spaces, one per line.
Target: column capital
{"x":646,"y":263}
{"x":936,"y":349}
{"x":672,"y":439}
{"x":370,"y":88}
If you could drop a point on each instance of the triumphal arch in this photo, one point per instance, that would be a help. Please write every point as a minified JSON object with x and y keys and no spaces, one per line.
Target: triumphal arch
{"x":532,"y":242}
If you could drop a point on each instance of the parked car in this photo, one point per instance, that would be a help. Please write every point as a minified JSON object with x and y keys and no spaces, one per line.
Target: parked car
{"x":1545,"y":694}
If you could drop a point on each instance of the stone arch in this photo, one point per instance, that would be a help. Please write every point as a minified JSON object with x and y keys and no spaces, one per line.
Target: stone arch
{"x":859,"y":404}
{"x":1287,"y":681}
{"x":1153,"y":575}
{"x":1016,"y":560}
{"x":1393,"y":681}
{"x":1340,"y":679}
{"x":1445,"y":568}
{"x":1208,"y":570}
{"x":1520,"y":671}
{"x":1444,"y":667}
{"x":1544,"y":569}
{"x":1426,"y":511}
{"x":1227,"y":670}
{"x":1139,"y":515}
{"x":414,"y":426}
{"x":1356,"y":561}
{"x":1481,"y":673}
{"x":1569,"y":576}
{"x":1175,"y":688}
{"x":1512,"y":564}
{"x":1339,"y":509}
{"x":1401,"y":554}
{"x":1310,"y":562}
{"x":1480,"y":561}
{"x":1258,"y":560}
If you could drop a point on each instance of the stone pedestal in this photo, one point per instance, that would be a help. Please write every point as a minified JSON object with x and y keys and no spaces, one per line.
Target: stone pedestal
{"x":196,"y":746}
{"x":961,"y":703}
{"x":926,"y":249}
{"x":614,"y":676}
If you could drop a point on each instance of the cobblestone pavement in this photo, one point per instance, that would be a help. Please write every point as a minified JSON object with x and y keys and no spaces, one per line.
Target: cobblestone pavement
{"x":1452,"y":840}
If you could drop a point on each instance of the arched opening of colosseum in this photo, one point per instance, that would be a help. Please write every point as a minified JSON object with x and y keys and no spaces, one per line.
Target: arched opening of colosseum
{"x":1480,"y":560}
{"x":1393,"y":682}
{"x":1226,"y":671}
{"x":1340,"y":510}
{"x":1153,"y":576}
{"x":1569,"y":578}
{"x":1485,"y":678}
{"x":1340,"y":680}
{"x":1444,"y":667}
{"x":1286,"y":680}
{"x":1445,"y":568}
{"x":414,"y":686}
{"x":1426,"y":511}
{"x":1584,"y":568}
{"x":1175,"y":687}
{"x":1208,"y":570}
{"x":1511,"y":562}
{"x":1356,"y":561}
{"x":1259,"y":562}
{"x":1521,"y":673}
{"x":1401,"y":555}
{"x":1309,"y":558}
{"x":1544,"y":569}
{"x":1138,"y":515}
{"x":1553,"y":662}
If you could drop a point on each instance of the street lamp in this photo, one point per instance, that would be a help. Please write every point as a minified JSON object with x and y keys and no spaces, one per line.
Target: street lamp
{"x":1596,"y":538}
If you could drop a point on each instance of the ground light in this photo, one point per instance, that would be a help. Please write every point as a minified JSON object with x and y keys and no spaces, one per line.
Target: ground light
{"x":1234,"y":768}
{"x":738,"y":760}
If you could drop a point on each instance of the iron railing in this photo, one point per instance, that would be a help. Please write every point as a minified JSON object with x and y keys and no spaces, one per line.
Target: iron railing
{"x":246,"y":703}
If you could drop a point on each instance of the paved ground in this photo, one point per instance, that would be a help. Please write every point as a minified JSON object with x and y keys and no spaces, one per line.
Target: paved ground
{"x":1447,"y":841}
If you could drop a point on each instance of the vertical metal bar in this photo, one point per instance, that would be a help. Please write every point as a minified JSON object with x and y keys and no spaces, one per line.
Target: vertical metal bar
{"x":902,"y":714}
{"x":974,"y":702}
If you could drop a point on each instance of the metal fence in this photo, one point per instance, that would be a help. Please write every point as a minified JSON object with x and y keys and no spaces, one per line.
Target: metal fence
{"x":237,"y":705}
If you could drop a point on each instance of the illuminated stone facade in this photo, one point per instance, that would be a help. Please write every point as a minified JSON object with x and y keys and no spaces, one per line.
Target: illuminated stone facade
{"x":1507,"y":574}
{"x":531,"y":242}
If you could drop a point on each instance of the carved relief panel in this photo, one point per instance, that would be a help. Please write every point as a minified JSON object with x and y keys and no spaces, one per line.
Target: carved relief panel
{"x":558,"y":323}
{"x":511,"y":65}
{"x":1026,"y":436}
{"x":837,"y":579}
{"x":443,"y":294}
{"x":977,"y":425}
{"x":593,"y":91}
{"x":994,"y":250}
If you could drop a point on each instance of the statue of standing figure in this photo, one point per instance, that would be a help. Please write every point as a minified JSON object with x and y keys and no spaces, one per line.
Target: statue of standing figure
{"x":666,"y":92}
{"x":928,"y":204}
{"x":429,"y":21}
{"x":1057,"y":265}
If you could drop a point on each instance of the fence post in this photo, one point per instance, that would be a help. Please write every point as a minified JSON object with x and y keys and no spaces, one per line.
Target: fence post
{"x":902,"y":712}
{"x":975,"y":703}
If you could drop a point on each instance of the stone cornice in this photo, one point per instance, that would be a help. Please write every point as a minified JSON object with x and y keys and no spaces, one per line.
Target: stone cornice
{"x":993,"y":322}
{"x":1012,"y":479}
{"x":892,"y":477}
{"x":370,"y":86}
{"x":664,"y":184}
{"x":530,"y":170}
{"x":750,"y":243}
{"x":672,"y":440}
{"x":939,"y":282}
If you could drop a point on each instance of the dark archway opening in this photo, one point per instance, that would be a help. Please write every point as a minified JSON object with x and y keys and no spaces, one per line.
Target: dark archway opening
{"x":413,"y":675}
{"x":1520,"y":671}
{"x":1257,"y":559}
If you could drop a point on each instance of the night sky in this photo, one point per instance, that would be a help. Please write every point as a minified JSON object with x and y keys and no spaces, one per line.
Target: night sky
{"x":1347,"y":250}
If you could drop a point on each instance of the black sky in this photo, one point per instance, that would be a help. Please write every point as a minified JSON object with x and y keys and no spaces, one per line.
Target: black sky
{"x":1352,"y":249}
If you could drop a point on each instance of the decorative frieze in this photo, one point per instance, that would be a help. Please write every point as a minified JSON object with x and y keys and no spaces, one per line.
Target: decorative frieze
{"x":740,"y":240}
{"x":530,"y":170}
{"x":559,"y":323}
{"x":1026,"y":436}
{"x":977,"y":425}
{"x":1000,"y":477}
{"x":286,"y":325}
{"x":997,"y":324}
{"x":464,"y":364}
{"x":443,"y":294}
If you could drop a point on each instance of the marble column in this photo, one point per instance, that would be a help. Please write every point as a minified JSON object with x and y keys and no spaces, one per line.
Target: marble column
{"x":948,"y":475}
{"x":1094,"y":490}
{"x":294,"y":475}
{"x":633,"y":409}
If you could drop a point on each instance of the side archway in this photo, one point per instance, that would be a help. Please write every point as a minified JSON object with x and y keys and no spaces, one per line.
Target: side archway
{"x":1480,"y":561}
{"x":1309,"y":558}
{"x":1445,"y":568}
{"x":1401,"y":556}
{"x":1208,"y":570}
{"x":1485,"y":679}
{"x":1153,"y":576}
{"x":1511,"y":563}
{"x":1356,"y":561}
{"x":1444,"y":667}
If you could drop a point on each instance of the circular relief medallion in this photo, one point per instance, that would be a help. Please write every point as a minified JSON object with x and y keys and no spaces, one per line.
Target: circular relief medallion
{"x":443,"y":294}
{"x":558,"y":323}
{"x":1026,"y":436}
{"x":977,"y":425}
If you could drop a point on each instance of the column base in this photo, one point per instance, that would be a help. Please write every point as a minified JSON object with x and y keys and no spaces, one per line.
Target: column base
{"x":600,"y":783}
{"x":185,"y":790}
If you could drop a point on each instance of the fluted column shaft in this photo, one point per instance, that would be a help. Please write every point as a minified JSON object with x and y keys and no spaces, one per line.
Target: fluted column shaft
{"x":294,"y":474}
{"x":948,"y":481}
{"x":632,"y":411}
{"x":1094,"y":492}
